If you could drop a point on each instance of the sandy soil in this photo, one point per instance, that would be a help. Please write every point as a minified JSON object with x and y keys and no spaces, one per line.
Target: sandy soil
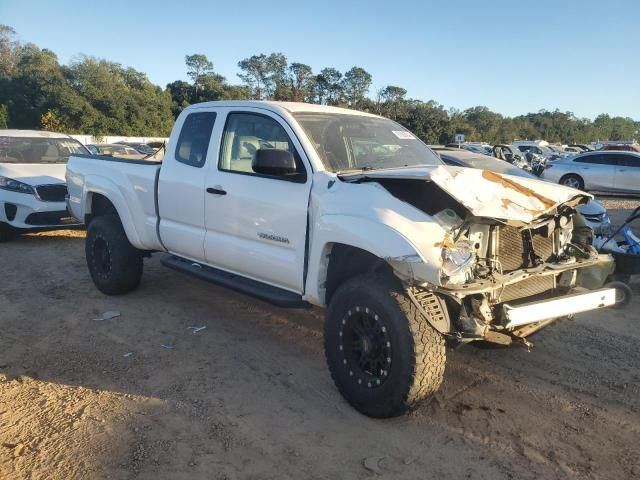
{"x":249,"y":397}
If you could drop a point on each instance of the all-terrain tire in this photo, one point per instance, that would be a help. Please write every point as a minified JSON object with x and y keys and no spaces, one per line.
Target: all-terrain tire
{"x":416,"y":352}
{"x":114,"y":264}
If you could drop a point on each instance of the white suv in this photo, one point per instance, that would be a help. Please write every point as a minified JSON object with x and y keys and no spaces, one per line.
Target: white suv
{"x":32,"y":183}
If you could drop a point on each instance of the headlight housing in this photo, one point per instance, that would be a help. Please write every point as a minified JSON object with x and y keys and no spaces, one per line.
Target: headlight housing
{"x":12,"y":185}
{"x":458,"y":261}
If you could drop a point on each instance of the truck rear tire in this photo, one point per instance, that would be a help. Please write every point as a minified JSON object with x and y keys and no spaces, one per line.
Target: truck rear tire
{"x":114,"y":264}
{"x":382,"y":353}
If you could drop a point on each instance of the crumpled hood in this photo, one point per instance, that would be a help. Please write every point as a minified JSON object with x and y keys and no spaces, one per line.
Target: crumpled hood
{"x":35,"y":173}
{"x":485,"y":193}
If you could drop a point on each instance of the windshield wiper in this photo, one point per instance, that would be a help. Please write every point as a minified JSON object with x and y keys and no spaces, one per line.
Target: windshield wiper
{"x":366,"y":168}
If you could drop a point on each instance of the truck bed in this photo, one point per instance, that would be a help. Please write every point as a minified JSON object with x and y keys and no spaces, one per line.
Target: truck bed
{"x":130,"y":185}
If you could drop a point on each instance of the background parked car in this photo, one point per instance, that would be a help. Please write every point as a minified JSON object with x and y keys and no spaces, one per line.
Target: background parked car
{"x":92,"y":149}
{"x":156,"y":144}
{"x":32,"y":180}
{"x":140,"y":147}
{"x":594,"y":212}
{"x":622,"y":147}
{"x":117,"y":150}
{"x":580,"y":147}
{"x":605,"y":171}
{"x":510,"y":154}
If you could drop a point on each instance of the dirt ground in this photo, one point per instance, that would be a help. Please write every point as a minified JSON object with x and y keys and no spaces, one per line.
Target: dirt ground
{"x":249,"y":396}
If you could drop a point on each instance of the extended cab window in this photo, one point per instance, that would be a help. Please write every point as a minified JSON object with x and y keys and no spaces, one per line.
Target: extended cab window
{"x":245,"y":134}
{"x":193,"y":141}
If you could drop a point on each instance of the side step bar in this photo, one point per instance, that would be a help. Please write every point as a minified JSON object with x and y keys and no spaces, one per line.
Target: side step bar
{"x":276,"y":296}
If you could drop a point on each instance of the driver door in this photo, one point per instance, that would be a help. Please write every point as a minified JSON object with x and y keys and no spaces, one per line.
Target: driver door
{"x":256,"y":224}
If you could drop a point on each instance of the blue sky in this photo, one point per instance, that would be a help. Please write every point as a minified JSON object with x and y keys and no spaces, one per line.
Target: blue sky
{"x":512,"y":56}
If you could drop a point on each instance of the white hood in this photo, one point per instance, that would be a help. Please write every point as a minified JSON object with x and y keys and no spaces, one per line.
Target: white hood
{"x":488,"y":194}
{"x":34,"y":173}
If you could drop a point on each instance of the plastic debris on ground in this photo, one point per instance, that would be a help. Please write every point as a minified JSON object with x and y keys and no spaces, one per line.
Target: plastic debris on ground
{"x":107,"y":315}
{"x":195,"y":330}
{"x":127,"y":355}
{"x":373,"y":464}
{"x":167,"y":346}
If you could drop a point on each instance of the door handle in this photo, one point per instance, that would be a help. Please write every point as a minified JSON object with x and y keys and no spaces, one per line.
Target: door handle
{"x":216,"y":191}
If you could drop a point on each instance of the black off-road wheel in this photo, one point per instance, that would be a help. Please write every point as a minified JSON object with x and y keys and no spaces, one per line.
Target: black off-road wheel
{"x":114,"y":264}
{"x":383,"y":355}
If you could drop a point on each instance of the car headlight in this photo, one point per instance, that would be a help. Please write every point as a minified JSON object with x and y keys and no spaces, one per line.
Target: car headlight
{"x":7,"y":183}
{"x":458,"y":260}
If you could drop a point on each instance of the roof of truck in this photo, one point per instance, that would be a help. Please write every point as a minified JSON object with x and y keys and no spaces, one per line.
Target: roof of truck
{"x":291,"y":107}
{"x":31,"y":133}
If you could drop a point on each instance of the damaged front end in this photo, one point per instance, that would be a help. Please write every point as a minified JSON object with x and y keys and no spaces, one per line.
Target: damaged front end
{"x":515,"y":254}
{"x":492,"y":269}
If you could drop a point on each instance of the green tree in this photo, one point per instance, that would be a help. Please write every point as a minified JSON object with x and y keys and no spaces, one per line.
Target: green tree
{"x":10,"y":50}
{"x":302,"y":82}
{"x":265,"y":75}
{"x":484,"y":122}
{"x":329,"y":86}
{"x":393,"y":99}
{"x":198,"y":65}
{"x":4,"y":116}
{"x":356,"y":83}
{"x":50,"y":122}
{"x":180,"y":93}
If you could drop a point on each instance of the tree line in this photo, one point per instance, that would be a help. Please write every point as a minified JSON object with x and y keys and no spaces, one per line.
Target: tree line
{"x":99,"y":97}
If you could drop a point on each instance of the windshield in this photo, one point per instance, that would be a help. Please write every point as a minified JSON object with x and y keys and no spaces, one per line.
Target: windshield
{"x":38,"y":150}
{"x":500,"y":166}
{"x":355,"y":142}
{"x":116,"y":150}
{"x":141,"y":147}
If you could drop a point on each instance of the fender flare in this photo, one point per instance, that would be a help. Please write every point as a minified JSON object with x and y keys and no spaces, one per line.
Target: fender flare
{"x":95,"y":184}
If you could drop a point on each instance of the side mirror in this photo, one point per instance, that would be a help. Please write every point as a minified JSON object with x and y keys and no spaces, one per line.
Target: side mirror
{"x":273,"y":162}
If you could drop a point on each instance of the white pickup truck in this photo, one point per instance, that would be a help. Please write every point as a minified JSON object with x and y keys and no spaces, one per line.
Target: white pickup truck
{"x":304,"y":205}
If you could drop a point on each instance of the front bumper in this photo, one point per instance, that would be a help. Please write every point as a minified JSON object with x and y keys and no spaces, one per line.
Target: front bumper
{"x":26,"y":212}
{"x":517,"y":316}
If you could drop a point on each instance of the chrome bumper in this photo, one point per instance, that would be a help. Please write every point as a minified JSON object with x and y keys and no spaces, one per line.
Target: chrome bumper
{"x":517,"y":316}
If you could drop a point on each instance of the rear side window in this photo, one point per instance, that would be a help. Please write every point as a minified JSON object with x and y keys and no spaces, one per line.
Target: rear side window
{"x":599,"y":159}
{"x":193,"y":141}
{"x":630,"y":160}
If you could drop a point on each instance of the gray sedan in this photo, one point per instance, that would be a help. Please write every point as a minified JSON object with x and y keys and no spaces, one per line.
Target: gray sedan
{"x":593,"y":212}
{"x":602,"y":171}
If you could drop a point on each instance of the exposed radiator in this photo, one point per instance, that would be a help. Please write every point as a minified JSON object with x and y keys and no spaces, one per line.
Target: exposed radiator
{"x":527,"y":288}
{"x":511,"y":248}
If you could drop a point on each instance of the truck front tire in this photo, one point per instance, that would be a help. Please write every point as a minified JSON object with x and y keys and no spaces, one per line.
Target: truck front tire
{"x":114,"y":264}
{"x":382,"y":353}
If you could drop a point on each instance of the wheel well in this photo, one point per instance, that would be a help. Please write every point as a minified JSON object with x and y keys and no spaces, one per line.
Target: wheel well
{"x":346,"y":262}
{"x":99,"y":206}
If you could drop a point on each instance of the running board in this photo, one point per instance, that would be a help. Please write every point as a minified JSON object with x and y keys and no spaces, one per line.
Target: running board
{"x":268,"y":293}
